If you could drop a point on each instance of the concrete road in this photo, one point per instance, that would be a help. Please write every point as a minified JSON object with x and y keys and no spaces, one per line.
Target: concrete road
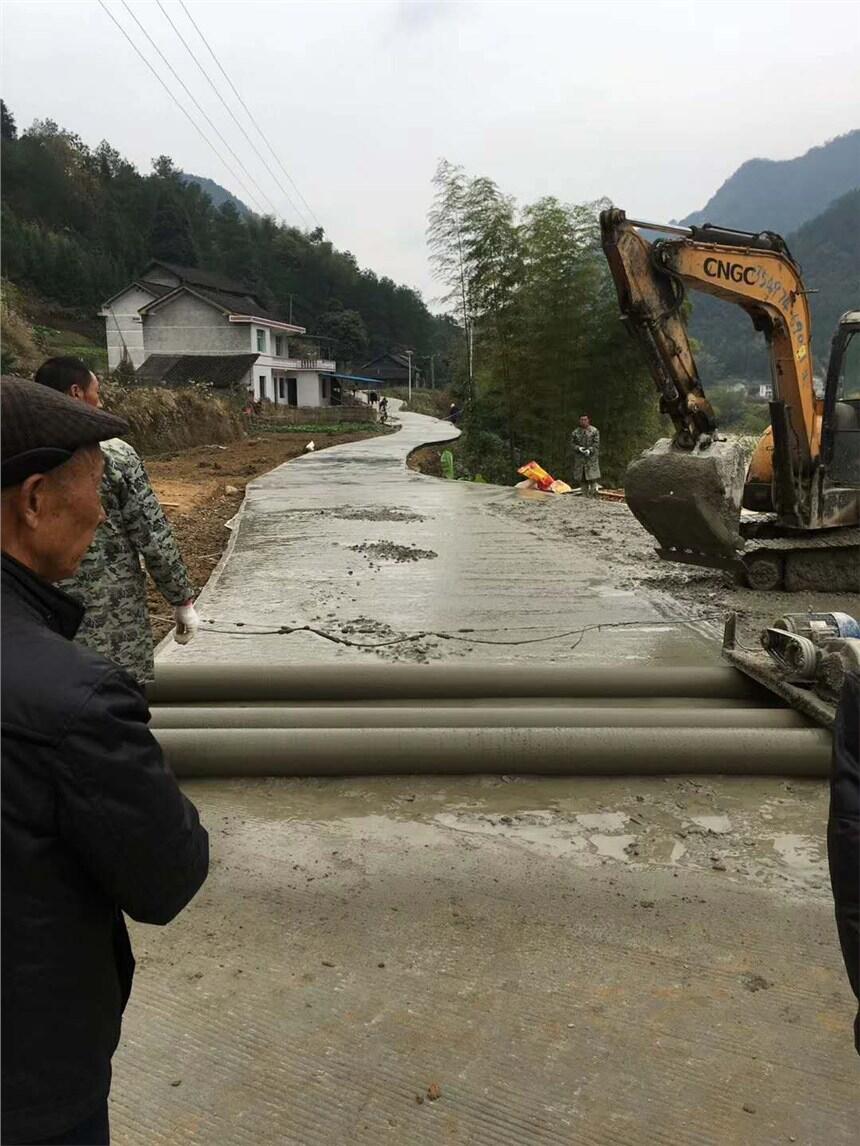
{"x":570,"y":961}
{"x":355,"y":544}
{"x":565,"y":959}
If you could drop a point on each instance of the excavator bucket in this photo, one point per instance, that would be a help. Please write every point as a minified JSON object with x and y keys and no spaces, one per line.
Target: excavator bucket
{"x":690,"y":500}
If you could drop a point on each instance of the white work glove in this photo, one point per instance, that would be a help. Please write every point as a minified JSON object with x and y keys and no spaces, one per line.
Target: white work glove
{"x":187,"y":623}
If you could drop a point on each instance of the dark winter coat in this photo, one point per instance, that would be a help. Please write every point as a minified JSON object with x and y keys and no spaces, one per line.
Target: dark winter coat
{"x":843,"y":832}
{"x":94,"y":824}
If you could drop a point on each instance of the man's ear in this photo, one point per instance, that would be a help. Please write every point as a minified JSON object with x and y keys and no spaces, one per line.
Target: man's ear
{"x":75,"y":391}
{"x":31,"y":500}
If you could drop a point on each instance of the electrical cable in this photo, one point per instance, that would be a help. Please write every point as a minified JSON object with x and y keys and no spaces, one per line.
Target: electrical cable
{"x":184,"y":110}
{"x":465,"y":636}
{"x":202,"y":110}
{"x":214,"y":87}
{"x":248,"y":113}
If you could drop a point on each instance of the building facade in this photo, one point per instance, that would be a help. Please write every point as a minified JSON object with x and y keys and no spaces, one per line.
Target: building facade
{"x":175,"y":319}
{"x":392,"y":369}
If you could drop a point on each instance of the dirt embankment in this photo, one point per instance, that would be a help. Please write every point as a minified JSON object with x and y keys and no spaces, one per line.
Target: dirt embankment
{"x":202,"y":488}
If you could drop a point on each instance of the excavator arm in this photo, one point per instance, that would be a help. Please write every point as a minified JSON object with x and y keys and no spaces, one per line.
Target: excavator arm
{"x":688,"y":491}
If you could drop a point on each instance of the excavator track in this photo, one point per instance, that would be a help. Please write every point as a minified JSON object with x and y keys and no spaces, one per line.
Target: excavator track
{"x":821,"y":561}
{"x":690,"y":502}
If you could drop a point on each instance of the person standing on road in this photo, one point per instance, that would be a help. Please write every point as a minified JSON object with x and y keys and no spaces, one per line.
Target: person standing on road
{"x":585,"y":444}
{"x":94,"y":823}
{"x":110,"y":583}
{"x":383,"y":409}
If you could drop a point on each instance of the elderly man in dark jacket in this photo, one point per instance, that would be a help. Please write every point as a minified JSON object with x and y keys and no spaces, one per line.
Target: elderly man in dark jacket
{"x":843,"y":832}
{"x":94,"y":824}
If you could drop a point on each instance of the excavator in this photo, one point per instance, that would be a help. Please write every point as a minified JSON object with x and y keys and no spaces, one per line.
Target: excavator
{"x":790,"y":518}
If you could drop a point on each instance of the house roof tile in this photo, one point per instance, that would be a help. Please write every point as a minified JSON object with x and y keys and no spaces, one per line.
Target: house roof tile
{"x":219,"y":370}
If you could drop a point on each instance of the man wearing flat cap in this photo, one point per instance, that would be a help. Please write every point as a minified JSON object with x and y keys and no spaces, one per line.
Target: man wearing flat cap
{"x":94,"y":823}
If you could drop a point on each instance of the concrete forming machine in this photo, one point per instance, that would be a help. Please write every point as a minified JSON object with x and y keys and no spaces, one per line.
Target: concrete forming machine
{"x":791,"y":517}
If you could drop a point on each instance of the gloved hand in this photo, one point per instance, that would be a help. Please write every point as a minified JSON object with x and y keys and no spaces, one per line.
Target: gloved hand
{"x":187,"y":623}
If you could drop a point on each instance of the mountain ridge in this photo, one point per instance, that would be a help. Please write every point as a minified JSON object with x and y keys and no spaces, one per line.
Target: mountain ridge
{"x":782,"y":194}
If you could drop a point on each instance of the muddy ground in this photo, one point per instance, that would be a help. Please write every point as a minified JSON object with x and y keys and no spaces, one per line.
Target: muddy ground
{"x":201,"y":490}
{"x":684,"y":591}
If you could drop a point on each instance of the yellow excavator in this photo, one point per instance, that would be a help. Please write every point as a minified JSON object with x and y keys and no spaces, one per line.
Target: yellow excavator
{"x":789,"y":519}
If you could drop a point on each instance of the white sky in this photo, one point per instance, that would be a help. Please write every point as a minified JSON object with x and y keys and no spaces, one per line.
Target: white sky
{"x":651,"y":103}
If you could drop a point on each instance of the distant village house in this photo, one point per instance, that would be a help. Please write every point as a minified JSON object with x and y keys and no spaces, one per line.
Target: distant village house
{"x":179,"y":324}
{"x":392,"y":369}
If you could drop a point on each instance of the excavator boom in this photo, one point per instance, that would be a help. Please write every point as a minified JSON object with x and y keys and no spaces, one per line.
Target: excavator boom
{"x":688,"y":491}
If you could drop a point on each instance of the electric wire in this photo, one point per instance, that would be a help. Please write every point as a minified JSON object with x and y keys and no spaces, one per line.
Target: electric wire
{"x":208,"y":78}
{"x":201,"y":109}
{"x":172,"y":95}
{"x":464,"y":636}
{"x":248,"y":112}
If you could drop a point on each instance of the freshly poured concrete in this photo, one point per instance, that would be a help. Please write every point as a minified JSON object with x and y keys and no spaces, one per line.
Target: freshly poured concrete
{"x":572,"y":961}
{"x":441,"y":558}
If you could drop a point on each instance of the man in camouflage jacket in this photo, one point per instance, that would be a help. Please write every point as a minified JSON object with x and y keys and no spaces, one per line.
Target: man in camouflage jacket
{"x":111,"y":582}
{"x":585,"y":446}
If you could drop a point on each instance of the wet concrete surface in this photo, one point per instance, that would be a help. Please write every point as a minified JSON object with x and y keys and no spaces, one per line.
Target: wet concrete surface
{"x":616,"y":961}
{"x":590,"y":962}
{"x":352,"y":542}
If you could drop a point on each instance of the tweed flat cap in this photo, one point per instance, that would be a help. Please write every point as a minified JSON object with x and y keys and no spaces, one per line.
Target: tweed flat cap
{"x":41,"y":428}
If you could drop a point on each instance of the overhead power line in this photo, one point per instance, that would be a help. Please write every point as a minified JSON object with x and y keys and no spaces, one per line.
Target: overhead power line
{"x":184,"y":110}
{"x":202,"y":110}
{"x":298,"y":210}
{"x":260,"y":132}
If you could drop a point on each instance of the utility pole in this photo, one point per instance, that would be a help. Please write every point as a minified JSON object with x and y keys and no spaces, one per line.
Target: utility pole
{"x":409,"y":354}
{"x":432,"y":371}
{"x":291,"y":310}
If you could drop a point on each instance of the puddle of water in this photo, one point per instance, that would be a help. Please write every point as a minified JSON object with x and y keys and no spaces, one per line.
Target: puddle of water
{"x":537,"y":830}
{"x":613,"y":846}
{"x":720,"y":825}
{"x":602,"y":821}
{"x":801,"y":853}
{"x":678,"y":852}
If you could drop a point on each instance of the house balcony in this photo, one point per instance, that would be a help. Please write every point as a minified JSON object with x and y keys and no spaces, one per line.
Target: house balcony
{"x":321,"y":365}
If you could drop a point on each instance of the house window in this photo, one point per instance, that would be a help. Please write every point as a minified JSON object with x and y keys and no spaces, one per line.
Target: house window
{"x":261,"y":341}
{"x":279,"y":346}
{"x":281,"y":387}
{"x":292,"y":392}
{"x":262,"y":385}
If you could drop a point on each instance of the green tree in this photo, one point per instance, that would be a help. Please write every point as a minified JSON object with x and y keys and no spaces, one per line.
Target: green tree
{"x":347,"y":329}
{"x":8,"y":130}
{"x":170,"y":234}
{"x":446,"y":237}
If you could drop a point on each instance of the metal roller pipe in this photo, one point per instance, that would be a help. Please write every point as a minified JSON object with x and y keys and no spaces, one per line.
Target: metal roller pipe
{"x":765,"y":703}
{"x":457,"y":716}
{"x":230,"y":683}
{"x":236,"y":752}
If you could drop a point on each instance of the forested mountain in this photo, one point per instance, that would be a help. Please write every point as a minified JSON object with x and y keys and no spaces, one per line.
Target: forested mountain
{"x":79,"y":222}
{"x":828,"y":250}
{"x":781,"y":195}
{"x":216,"y":192}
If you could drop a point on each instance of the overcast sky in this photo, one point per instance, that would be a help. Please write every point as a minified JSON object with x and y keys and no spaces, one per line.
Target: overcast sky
{"x":653,"y":103}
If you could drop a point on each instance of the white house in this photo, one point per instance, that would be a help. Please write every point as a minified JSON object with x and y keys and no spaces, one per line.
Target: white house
{"x":179,"y":324}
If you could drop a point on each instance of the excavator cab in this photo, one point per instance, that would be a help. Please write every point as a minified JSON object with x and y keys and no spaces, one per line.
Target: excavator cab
{"x":841,"y":436}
